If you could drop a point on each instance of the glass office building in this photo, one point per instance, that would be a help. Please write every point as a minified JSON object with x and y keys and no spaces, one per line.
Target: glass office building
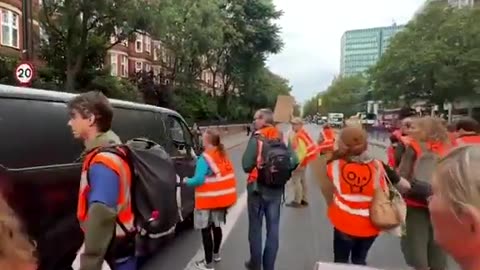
{"x":363,"y":47}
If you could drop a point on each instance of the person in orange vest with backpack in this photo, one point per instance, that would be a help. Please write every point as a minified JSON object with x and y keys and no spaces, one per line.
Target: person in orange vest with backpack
{"x":269,"y":163}
{"x":104,"y":203}
{"x":326,"y":139}
{"x":306,"y":150}
{"x":355,"y":176}
{"x":467,"y":131}
{"x":429,"y":143}
{"x":215,"y":191}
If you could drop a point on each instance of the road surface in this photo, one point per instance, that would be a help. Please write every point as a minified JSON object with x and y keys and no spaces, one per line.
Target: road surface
{"x":306,"y":234}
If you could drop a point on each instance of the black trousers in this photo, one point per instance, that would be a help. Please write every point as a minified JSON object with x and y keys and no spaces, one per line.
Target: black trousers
{"x":212,"y":239}
{"x":348,"y":248}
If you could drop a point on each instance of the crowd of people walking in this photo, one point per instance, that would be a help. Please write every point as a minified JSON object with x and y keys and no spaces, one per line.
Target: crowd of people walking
{"x":428,"y":192}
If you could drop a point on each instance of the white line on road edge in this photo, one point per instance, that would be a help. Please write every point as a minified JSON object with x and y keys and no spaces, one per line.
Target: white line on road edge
{"x":233,"y":215}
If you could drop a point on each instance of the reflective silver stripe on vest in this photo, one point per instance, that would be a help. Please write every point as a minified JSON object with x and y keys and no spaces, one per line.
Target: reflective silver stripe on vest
{"x":215,"y":179}
{"x":211,"y":164}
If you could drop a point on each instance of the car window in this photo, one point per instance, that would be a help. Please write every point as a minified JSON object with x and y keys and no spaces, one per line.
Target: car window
{"x":179,"y":131}
{"x":176,"y":131}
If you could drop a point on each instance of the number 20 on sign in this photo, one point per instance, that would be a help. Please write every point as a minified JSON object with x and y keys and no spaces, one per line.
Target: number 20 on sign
{"x":24,"y":73}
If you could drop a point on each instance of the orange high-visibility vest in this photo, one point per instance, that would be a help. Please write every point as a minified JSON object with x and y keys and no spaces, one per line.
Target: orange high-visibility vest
{"x":354,"y":188}
{"x":269,"y":133}
{"x":328,"y":143}
{"x":468,"y":140}
{"x":219,"y":189}
{"x":391,"y":156}
{"x":124,"y":206}
{"x":311,"y":146}
{"x":439,"y":148}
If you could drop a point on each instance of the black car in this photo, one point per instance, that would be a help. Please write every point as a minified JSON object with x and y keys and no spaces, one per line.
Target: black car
{"x":40,"y":166}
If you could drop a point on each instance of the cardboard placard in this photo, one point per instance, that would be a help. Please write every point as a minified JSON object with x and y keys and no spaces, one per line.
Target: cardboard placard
{"x":283,"y":109}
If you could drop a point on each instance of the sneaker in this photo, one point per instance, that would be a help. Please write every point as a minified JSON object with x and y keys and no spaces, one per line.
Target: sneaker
{"x":202,"y":265}
{"x":250,"y":266}
{"x":304,"y":203}
{"x":293,"y":204}
{"x":216,"y":257}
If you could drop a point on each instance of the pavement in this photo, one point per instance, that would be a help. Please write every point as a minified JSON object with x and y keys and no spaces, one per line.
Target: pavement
{"x":306,"y":234}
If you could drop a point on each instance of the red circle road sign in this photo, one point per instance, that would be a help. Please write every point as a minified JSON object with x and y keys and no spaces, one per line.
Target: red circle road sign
{"x":24,"y":73}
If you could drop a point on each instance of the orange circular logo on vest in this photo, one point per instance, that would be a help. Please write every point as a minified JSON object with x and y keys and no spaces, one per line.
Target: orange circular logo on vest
{"x":357,"y":176}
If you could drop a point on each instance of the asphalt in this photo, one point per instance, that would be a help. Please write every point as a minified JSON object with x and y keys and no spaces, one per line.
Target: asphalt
{"x":306,"y":234}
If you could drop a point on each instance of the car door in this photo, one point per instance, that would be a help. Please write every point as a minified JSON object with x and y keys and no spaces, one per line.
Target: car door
{"x":184,"y":157}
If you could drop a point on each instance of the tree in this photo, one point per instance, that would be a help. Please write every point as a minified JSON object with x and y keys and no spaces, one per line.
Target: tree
{"x":189,"y":29}
{"x":436,"y":58}
{"x":344,"y":95}
{"x":80,"y":31}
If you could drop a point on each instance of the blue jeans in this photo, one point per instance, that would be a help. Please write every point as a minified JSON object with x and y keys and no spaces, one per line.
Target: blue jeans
{"x":258,"y":207}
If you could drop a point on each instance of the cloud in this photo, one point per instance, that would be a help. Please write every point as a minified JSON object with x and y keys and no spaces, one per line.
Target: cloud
{"x":312,"y":29}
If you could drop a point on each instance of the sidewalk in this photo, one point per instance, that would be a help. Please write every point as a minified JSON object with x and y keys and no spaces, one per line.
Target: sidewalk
{"x":233,"y":140}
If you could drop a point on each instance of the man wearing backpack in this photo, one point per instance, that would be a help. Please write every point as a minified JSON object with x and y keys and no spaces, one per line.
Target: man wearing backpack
{"x":104,"y":206}
{"x":269,"y":163}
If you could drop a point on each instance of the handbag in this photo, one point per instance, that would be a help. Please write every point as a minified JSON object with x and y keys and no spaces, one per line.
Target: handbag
{"x":388,"y":209}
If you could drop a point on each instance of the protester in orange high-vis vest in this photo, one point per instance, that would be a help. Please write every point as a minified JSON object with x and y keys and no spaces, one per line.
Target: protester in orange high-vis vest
{"x":429,"y":143}
{"x":104,"y":207}
{"x":468,"y":131}
{"x":215,"y":191}
{"x":262,"y":201}
{"x":306,"y":150}
{"x":326,"y":140}
{"x":355,"y":176}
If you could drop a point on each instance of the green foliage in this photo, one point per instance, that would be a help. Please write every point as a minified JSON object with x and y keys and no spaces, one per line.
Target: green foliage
{"x":344,"y":95}
{"x":436,"y":57}
{"x":230,"y":38}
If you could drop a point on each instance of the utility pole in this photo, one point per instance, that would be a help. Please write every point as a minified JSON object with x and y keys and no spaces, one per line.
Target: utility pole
{"x":27,"y":26}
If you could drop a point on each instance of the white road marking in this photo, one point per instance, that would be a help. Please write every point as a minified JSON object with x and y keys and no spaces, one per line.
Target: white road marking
{"x":233,"y":215}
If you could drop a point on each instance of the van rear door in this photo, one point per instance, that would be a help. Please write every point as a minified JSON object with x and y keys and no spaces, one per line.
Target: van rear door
{"x":182,"y":152}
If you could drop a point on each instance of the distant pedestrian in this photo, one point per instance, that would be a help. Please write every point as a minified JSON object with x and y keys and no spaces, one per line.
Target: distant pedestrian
{"x":215,"y":191}
{"x":249,"y":129}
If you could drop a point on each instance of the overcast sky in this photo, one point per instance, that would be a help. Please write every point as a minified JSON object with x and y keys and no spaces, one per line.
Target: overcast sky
{"x":312,"y":29}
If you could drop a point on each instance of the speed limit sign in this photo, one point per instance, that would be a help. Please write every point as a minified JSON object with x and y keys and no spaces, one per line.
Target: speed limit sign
{"x":24,"y":73}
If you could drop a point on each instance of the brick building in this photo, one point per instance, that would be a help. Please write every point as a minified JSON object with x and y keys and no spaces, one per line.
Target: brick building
{"x":124,"y":59}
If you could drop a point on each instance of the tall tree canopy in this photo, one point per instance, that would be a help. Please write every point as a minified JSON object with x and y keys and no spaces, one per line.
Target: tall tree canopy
{"x":231,"y":39}
{"x":436,"y":58}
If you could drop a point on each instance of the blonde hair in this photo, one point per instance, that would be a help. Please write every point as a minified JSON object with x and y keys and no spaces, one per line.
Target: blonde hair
{"x":215,"y":140}
{"x":15,"y":246}
{"x":457,"y":177}
{"x":432,"y":129}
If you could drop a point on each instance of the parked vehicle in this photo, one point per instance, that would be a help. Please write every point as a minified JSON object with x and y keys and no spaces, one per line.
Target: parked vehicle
{"x":336,"y":120}
{"x":40,"y":166}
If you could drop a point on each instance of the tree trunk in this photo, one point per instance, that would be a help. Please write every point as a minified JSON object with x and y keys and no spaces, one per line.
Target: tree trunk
{"x":70,"y":80}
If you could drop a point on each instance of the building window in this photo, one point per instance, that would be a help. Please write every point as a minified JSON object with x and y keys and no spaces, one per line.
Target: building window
{"x":10,"y":29}
{"x":139,"y":44}
{"x":147,"y":67}
{"x":148,"y":44}
{"x":124,"y":65}
{"x":155,"y":53}
{"x":138,"y":66}
{"x":113,"y":64}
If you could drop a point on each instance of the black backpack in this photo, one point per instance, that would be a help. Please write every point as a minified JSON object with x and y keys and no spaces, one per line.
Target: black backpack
{"x":275,"y":169}
{"x":153,"y":189}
